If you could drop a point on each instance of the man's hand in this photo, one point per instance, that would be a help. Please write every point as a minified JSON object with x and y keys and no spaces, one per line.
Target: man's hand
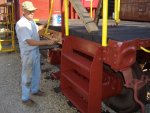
{"x":40,"y":27}
{"x":50,"y":42}
{"x":57,"y":38}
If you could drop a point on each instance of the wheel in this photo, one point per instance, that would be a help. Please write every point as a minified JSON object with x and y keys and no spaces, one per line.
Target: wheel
{"x":124,"y":102}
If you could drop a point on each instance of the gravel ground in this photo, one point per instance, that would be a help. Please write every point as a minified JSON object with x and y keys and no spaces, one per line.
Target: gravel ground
{"x":10,"y":89}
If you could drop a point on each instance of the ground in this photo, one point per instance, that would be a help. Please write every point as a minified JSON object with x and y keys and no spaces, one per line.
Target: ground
{"x":10,"y":90}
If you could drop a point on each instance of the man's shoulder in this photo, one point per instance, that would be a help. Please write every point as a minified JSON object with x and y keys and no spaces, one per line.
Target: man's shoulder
{"x":22,"y":22}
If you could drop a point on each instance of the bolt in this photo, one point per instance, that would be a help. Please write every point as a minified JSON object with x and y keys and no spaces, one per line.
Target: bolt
{"x":148,"y":96}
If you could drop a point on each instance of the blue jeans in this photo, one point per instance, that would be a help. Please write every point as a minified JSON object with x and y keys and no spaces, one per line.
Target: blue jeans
{"x":31,"y":73}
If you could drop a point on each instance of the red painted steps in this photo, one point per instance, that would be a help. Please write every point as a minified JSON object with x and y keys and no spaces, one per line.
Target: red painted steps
{"x":81,"y":74}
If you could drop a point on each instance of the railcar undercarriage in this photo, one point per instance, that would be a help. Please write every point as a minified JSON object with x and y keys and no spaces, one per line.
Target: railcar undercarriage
{"x":126,"y":68}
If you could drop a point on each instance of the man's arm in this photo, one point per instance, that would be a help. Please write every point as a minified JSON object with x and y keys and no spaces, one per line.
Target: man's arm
{"x":40,"y":27}
{"x":32,"y":42}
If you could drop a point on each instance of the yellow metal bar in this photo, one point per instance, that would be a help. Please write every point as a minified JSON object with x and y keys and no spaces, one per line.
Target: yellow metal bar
{"x":5,"y":40}
{"x":91,"y":8}
{"x":36,"y":20}
{"x":117,"y":11}
{"x":50,"y":16}
{"x":12,"y":23}
{"x":0,"y":46}
{"x":144,"y":49}
{"x":105,"y":23}
{"x":8,"y":50}
{"x":66,"y":18}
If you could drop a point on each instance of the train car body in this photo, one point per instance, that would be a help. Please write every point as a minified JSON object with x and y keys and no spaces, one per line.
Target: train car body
{"x":137,"y":10}
{"x":117,"y":67}
{"x":92,"y":73}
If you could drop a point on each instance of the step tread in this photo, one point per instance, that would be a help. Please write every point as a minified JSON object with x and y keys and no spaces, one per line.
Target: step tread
{"x":79,"y":60}
{"x":78,"y":81}
{"x":76,"y":99}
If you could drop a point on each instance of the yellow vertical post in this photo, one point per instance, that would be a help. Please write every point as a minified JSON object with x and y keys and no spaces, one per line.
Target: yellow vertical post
{"x":91,"y":8}
{"x":105,"y":23}
{"x":66,"y":18}
{"x":0,"y":46}
{"x":118,"y":19}
{"x":117,"y":11}
{"x":50,"y":15}
{"x":12,"y":24}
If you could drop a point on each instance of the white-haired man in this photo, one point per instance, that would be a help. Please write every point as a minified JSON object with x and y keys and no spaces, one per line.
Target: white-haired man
{"x":29,"y":42}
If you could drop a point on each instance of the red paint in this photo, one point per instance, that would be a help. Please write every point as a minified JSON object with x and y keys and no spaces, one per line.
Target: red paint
{"x":3,"y":1}
{"x":86,"y":3}
{"x":43,"y":8}
{"x":81,"y":74}
{"x":56,"y":6}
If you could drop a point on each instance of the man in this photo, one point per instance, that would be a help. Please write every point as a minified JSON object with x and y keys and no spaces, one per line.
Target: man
{"x":28,"y":37}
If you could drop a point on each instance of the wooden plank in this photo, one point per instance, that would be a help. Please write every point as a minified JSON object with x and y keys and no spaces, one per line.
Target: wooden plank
{"x":98,"y":12}
{"x":51,"y":34}
{"x":84,"y":16}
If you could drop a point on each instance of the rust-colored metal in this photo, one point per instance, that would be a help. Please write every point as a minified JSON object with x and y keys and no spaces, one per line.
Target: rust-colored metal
{"x":111,"y":85}
{"x":81,"y":74}
{"x":121,"y":55}
{"x":85,"y":82}
{"x":55,"y":75}
{"x":135,"y":84}
{"x":54,"y":56}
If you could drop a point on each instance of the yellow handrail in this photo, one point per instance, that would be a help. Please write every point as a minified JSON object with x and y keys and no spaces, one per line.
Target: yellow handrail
{"x":105,"y":23}
{"x":144,"y":49}
{"x":118,"y":17}
{"x":13,"y":34}
{"x":66,"y":18}
{"x":117,"y":11}
{"x":50,"y":15}
{"x":8,"y":50}
{"x":0,"y":46}
{"x":91,"y":8}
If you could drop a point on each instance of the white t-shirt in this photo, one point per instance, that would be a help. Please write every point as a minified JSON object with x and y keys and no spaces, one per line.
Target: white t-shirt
{"x":26,"y":29}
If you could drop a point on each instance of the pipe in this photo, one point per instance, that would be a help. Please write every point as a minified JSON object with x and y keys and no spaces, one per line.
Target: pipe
{"x":145,"y":50}
{"x":138,"y":83}
{"x":66,"y":18}
{"x":105,"y":23}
